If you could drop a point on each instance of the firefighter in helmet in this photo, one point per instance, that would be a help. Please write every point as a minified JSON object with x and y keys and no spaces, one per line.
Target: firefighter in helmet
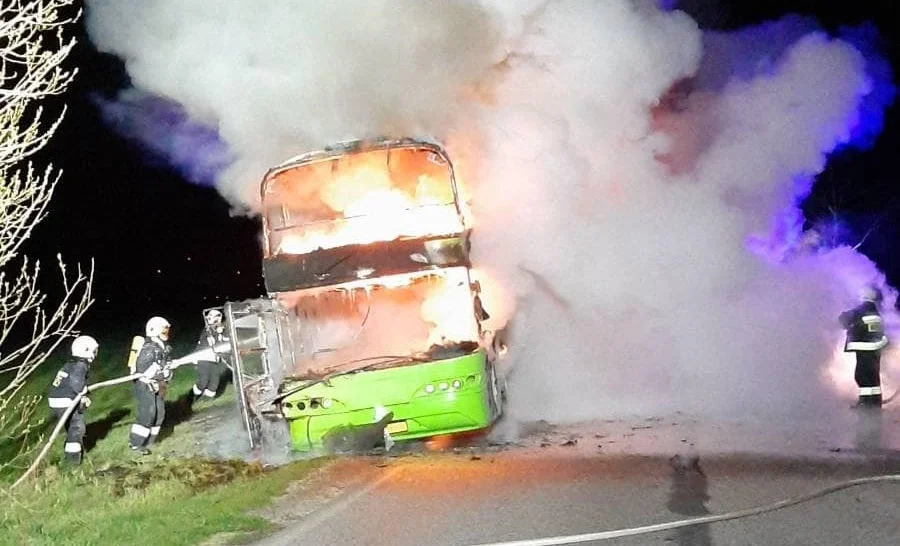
{"x":150,"y":388}
{"x":208,"y":371}
{"x":69,"y":382}
{"x":866,"y":339}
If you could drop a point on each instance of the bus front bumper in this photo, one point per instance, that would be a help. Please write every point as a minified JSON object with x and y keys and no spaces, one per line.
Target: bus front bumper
{"x":441,"y":413}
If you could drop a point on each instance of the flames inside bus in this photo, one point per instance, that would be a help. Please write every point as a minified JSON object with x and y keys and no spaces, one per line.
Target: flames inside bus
{"x":373,"y":326}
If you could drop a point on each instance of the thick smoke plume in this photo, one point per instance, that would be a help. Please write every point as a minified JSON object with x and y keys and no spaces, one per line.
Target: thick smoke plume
{"x":277,"y":78}
{"x":635,"y":180}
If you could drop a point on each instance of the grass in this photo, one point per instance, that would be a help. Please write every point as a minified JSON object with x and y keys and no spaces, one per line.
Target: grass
{"x":112,"y":409}
{"x":174,"y":503}
{"x":116,"y":498}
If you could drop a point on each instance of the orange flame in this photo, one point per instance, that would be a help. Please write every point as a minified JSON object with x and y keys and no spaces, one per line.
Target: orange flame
{"x":397,"y":314}
{"x":449,"y":307}
{"x":367,"y":197}
{"x":362,"y":202}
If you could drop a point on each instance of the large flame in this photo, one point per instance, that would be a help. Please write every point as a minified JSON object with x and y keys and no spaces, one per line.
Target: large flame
{"x":368,"y":197}
{"x":342,"y":203}
{"x":449,"y":308}
{"x":391,"y":315}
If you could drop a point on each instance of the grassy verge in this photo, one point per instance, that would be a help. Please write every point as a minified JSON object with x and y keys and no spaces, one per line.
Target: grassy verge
{"x":174,"y":503}
{"x":171,"y":497}
{"x":112,"y":409}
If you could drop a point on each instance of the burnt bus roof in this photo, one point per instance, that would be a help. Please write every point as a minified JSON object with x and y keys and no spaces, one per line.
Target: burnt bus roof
{"x":352,"y":147}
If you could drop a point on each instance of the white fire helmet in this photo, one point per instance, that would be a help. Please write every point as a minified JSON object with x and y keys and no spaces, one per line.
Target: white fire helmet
{"x":158,"y":327}
{"x":85,"y":347}
{"x":214,"y":317}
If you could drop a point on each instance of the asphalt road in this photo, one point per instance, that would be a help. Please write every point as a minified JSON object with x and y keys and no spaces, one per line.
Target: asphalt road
{"x":486,"y":496}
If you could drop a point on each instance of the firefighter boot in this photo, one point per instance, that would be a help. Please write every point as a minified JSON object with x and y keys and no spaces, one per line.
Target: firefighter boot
{"x":196,"y":393}
{"x":870,"y":397}
{"x":73,"y":453}
{"x":140,"y":450}
{"x":870,"y":402}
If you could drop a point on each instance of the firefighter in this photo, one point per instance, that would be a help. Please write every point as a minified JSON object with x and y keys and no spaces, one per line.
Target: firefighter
{"x":150,"y":389}
{"x":208,"y":371}
{"x":70,"y":381}
{"x":866,"y":339}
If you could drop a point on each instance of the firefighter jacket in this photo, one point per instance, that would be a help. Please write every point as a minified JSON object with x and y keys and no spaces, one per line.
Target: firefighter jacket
{"x":68,"y":383}
{"x":152,"y":362}
{"x":209,"y":338}
{"x":865,"y":328}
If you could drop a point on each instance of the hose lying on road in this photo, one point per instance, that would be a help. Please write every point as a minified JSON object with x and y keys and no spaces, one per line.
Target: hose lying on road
{"x":65,"y":417}
{"x":647,"y":529}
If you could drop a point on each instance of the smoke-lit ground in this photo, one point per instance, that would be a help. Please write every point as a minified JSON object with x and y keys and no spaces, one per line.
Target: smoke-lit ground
{"x":635,"y":180}
{"x":218,"y":432}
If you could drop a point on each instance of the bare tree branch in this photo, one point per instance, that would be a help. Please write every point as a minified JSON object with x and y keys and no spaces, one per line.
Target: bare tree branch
{"x":33,"y":50}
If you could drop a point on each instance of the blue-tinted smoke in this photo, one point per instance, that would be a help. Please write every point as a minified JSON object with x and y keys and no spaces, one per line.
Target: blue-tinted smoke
{"x":864,"y":130}
{"x":667,"y":5}
{"x":750,"y":52}
{"x":168,"y":134}
{"x":756,"y":50}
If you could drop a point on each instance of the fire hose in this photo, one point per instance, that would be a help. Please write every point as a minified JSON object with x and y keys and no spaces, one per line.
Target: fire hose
{"x":65,"y":417}
{"x":191,"y":358}
{"x":739,"y":514}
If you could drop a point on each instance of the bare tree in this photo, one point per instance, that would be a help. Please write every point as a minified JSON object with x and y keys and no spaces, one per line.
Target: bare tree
{"x":33,"y":49}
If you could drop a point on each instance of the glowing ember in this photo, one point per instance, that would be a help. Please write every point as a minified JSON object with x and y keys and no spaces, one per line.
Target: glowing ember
{"x":440,"y":443}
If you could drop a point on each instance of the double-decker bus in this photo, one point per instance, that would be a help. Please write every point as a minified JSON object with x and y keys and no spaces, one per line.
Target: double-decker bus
{"x":372,"y":329}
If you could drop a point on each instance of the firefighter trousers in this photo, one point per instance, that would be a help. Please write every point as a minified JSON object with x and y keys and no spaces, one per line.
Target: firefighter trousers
{"x":75,"y":429}
{"x":151,"y":411}
{"x":868,"y":377}
{"x":207,"y":383}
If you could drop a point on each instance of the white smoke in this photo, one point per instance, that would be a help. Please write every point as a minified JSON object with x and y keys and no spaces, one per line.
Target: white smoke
{"x":279,"y":77}
{"x":635,"y":289}
{"x":616,"y":228}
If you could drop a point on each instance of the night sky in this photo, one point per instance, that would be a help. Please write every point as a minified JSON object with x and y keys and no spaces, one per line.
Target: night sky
{"x":164,"y":246}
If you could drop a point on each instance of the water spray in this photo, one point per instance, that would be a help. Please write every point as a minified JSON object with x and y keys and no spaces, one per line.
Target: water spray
{"x":207,"y":354}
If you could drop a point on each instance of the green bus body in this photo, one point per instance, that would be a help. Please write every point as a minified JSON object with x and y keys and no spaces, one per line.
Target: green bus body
{"x":428,"y":394}
{"x":417,"y":413}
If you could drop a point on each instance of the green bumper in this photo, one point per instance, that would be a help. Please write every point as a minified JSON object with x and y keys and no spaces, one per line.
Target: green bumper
{"x":439,"y":397}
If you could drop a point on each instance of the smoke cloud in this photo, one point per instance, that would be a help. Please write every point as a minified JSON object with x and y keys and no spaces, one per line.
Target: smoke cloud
{"x":277,"y":78}
{"x":635,"y":180}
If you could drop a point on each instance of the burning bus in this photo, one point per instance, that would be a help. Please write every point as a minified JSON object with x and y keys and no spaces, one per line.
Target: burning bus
{"x":372,"y":327}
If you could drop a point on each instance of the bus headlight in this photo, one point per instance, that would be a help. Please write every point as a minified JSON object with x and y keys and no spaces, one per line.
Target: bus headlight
{"x":327,"y":403}
{"x":456,"y":383}
{"x":443,"y":385}
{"x":429,"y":388}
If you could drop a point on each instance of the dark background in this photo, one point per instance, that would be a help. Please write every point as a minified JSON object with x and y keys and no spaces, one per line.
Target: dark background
{"x":164,"y":246}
